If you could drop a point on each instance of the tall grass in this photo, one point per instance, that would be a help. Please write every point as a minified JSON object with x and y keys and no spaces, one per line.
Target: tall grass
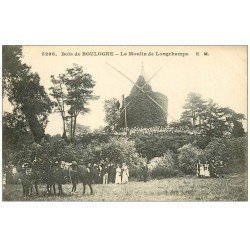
{"x":188,"y":188}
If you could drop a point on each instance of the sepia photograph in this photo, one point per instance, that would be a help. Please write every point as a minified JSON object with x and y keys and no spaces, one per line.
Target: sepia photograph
{"x":124,"y":123}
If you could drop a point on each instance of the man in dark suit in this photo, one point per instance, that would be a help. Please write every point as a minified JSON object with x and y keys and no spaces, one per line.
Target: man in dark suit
{"x":85,"y":175}
{"x":74,"y":175}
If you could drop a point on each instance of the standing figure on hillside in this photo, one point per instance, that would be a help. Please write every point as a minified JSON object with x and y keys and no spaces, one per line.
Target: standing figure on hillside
{"x":206,"y":170}
{"x":85,"y":174}
{"x":73,"y":175}
{"x":198,"y":168}
{"x":105,"y":175}
{"x":50,"y":176}
{"x":221,"y":169}
{"x":100,"y":173}
{"x":125,"y":173}
{"x":212,"y":169}
{"x":26,"y":179}
{"x":36,"y":165}
{"x":118,"y":175}
{"x":202,"y":170}
{"x":59,"y":176}
{"x":112,"y":173}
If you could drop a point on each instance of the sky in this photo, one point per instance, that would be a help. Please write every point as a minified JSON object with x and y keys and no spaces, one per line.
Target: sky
{"x":220,"y":75}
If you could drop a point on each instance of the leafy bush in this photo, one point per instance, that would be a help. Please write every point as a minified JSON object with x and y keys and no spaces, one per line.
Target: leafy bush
{"x":188,"y":157}
{"x":201,"y":141}
{"x":135,"y":173}
{"x":163,"y":167}
{"x":232,"y":151}
{"x":155,"y":145}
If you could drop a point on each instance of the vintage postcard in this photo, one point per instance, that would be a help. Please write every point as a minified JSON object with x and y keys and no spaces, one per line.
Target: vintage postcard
{"x":124,"y":123}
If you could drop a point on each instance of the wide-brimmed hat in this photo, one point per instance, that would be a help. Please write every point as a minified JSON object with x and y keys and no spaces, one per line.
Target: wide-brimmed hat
{"x":74,"y":163}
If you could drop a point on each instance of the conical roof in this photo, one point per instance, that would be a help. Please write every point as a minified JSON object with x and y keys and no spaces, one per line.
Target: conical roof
{"x":142,"y":83}
{"x":142,"y":111}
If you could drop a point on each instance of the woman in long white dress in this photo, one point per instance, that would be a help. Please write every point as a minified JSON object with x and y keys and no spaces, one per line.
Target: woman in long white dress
{"x":118,"y":175}
{"x":125,"y":173}
{"x":202,"y":170}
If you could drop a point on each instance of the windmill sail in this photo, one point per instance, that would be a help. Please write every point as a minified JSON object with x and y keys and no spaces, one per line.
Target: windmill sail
{"x":147,"y":108}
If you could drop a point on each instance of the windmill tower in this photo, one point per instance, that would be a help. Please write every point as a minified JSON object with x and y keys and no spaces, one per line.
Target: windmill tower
{"x":143,"y":107}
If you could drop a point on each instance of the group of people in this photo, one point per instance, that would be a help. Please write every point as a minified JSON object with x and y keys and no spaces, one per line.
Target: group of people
{"x":33,"y":173}
{"x":210,"y":169}
{"x":104,"y":173}
{"x":122,"y":174}
{"x":156,"y":130}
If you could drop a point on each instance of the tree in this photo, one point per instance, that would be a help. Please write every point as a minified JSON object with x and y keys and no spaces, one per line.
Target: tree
{"x":213,"y":119}
{"x":112,"y":113}
{"x":15,"y":131}
{"x":119,"y":151}
{"x":194,"y":107}
{"x":75,"y":89}
{"x":163,"y":167}
{"x":232,"y":151}
{"x":11,"y":64}
{"x":234,"y":120}
{"x":218,"y":121}
{"x":24,"y":92}
{"x":80,"y":129}
{"x":214,"y":123}
{"x":188,"y":157}
{"x":59,"y":95}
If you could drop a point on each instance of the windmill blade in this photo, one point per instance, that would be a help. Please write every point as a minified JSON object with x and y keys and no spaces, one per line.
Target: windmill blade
{"x":141,"y":88}
{"x":151,"y":77}
{"x":152,"y":99}
{"x":120,"y":72}
{"x":124,"y":75}
{"x":128,"y":104}
{"x":156,"y":102}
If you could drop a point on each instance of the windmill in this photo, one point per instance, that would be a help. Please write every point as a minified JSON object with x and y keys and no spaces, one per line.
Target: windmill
{"x":142,"y":87}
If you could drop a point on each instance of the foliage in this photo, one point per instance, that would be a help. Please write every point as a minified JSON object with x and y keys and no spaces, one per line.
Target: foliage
{"x":93,"y":148}
{"x":73,"y":89}
{"x":11,"y":58}
{"x":180,"y":124}
{"x":119,"y":151}
{"x":112,"y":114}
{"x":163,"y":167}
{"x":233,"y":119}
{"x":201,"y":141}
{"x":25,"y":93}
{"x":154,"y":145}
{"x":193,"y":108}
{"x":15,"y":131}
{"x":213,"y":121}
{"x":58,"y":94}
{"x":232,"y":151}
{"x":80,"y":129}
{"x":188,"y":157}
{"x":167,"y":160}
